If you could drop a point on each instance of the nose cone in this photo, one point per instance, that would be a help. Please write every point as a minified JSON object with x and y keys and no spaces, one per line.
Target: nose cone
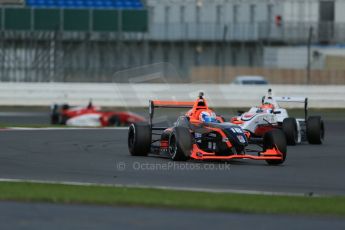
{"x":233,"y":132}
{"x":237,"y":136}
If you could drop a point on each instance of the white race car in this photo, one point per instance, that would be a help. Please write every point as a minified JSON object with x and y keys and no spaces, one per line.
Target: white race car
{"x":261,"y":119}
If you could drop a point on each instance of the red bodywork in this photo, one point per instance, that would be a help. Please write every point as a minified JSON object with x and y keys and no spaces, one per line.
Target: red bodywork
{"x":123,"y":118}
{"x":260,"y":129}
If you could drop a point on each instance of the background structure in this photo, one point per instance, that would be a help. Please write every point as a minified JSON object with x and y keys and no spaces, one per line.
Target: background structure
{"x":206,"y":41}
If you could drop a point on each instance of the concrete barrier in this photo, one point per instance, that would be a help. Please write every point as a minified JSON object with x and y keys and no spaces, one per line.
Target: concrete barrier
{"x":137,"y":95}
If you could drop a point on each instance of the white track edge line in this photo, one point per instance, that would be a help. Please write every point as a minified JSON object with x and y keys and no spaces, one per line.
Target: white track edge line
{"x":190,"y":189}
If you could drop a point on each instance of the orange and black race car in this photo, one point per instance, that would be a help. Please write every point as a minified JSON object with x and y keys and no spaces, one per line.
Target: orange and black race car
{"x":202,"y":135}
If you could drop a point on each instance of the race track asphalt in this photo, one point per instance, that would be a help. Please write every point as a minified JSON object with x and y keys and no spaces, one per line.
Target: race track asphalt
{"x":101,"y":156}
{"x":32,"y":216}
{"x":24,"y":118}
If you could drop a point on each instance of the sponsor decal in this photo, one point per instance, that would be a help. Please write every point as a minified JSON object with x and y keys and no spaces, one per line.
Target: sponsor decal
{"x":237,"y":130}
{"x":241,"y":138}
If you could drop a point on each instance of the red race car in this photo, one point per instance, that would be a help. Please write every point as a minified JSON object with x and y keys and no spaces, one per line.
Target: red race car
{"x":91,"y":115}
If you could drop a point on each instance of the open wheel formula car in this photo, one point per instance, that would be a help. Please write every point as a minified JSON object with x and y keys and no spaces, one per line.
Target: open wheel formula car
{"x":270,"y":115}
{"x":91,"y":116}
{"x":192,"y":137}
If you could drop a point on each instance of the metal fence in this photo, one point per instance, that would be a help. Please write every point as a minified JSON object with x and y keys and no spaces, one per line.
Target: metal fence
{"x":56,"y":56}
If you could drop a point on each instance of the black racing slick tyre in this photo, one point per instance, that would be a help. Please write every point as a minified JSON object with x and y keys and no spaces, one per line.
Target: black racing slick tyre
{"x":275,"y":138}
{"x":55,"y":115}
{"x":289,"y":127}
{"x":139,"y":139}
{"x":180,"y":144}
{"x":63,"y":120}
{"x":315,"y":130}
{"x":54,"y":119}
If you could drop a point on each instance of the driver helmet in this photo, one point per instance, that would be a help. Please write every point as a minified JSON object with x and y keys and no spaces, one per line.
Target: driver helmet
{"x":208,"y":116}
{"x":267,"y":105}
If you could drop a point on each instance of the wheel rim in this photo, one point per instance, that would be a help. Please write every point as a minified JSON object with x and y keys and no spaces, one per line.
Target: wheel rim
{"x":322,"y":131}
{"x":131,"y":137}
{"x":172,"y":146}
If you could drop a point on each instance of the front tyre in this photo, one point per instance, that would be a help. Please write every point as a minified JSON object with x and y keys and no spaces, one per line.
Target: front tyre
{"x":180,"y":144}
{"x":275,"y":139}
{"x":290,"y":130}
{"x":315,"y":130}
{"x":139,"y":139}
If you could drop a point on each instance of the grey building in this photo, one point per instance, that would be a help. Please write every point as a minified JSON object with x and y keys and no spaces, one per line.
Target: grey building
{"x":186,"y":33}
{"x":235,"y":32}
{"x":248,"y":20}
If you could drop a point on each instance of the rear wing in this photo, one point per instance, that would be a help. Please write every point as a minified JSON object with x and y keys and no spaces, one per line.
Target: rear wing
{"x":291,"y":99}
{"x":304,"y":100}
{"x":295,"y":100}
{"x":167,"y":104}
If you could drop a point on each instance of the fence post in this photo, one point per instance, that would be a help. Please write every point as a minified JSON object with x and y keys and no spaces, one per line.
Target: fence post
{"x":310,"y":35}
{"x":225,"y":32}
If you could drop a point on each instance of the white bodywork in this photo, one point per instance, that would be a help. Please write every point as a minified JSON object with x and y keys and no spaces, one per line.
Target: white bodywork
{"x":257,"y":116}
{"x":89,"y":120}
{"x":253,"y":118}
{"x":250,"y":80}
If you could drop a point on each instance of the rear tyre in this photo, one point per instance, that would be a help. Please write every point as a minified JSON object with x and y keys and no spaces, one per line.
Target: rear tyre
{"x":139,"y":139}
{"x":63,"y":120}
{"x":55,"y":119}
{"x":55,"y":115}
{"x":315,"y":130}
{"x":290,"y":130}
{"x":275,"y":138}
{"x":180,"y":144}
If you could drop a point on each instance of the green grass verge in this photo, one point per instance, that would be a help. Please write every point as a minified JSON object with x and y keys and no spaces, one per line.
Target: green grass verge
{"x":227,"y":202}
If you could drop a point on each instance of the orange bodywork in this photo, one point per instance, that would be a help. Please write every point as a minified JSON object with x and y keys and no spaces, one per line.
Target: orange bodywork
{"x":199,"y":154}
{"x":228,"y":143}
{"x":269,"y":154}
{"x":196,"y":153}
{"x":164,"y":144}
{"x":159,"y":103}
{"x":196,"y":106}
{"x":236,"y":121}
